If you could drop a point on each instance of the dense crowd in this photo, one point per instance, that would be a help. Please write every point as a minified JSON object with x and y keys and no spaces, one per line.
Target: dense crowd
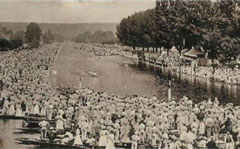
{"x":87,"y":116}
{"x":97,"y":118}
{"x":23,"y":76}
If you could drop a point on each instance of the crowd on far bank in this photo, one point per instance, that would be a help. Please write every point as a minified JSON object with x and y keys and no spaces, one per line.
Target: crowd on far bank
{"x":173,"y":59}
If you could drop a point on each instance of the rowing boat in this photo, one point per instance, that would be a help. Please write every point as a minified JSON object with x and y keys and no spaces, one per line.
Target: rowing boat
{"x":92,"y":73}
{"x":21,"y":117}
{"x":35,"y":123}
{"x":27,"y":130}
{"x":12,"y":117}
{"x":46,"y":144}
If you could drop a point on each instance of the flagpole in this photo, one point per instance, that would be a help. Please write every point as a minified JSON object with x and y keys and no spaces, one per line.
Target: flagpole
{"x":80,"y":83}
{"x":169,"y":90}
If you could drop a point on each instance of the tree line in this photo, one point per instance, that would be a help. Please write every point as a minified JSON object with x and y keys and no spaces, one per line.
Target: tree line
{"x":209,"y":26}
{"x":33,"y":36}
{"x":104,"y":37}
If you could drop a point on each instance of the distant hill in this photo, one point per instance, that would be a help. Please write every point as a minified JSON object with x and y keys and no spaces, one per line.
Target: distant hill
{"x":68,"y":31}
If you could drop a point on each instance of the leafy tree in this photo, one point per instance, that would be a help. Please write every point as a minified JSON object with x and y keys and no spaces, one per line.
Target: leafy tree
{"x":33,"y":35}
{"x":163,"y":26}
{"x":19,"y":35}
{"x":4,"y":44}
{"x":211,"y":26}
{"x":48,"y":37}
{"x":97,"y":37}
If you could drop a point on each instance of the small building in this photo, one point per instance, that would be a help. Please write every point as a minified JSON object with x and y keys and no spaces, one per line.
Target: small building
{"x":194,"y":57}
{"x":173,"y":51}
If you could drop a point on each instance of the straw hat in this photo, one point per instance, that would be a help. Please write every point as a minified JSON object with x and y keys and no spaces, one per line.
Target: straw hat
{"x":137,"y":132}
{"x":173,"y":137}
{"x":185,"y":98}
{"x":103,"y":127}
{"x":150,"y":123}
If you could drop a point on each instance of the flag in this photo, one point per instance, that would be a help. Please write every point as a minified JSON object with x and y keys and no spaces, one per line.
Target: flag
{"x":54,"y":72}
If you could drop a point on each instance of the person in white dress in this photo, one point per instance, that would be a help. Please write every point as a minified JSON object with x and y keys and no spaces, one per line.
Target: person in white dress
{"x":68,"y":137}
{"x":117,"y":130}
{"x":5,"y":107}
{"x":36,"y":109}
{"x":12,"y":109}
{"x":18,"y":110}
{"x":110,"y":140}
{"x":84,"y":129}
{"x":135,"y":140}
{"x":189,"y":139}
{"x":44,"y":109}
{"x":103,"y":136}
{"x":229,"y":141}
{"x":44,"y":127}
{"x":50,"y":111}
{"x":60,"y":126}
{"x":77,"y":138}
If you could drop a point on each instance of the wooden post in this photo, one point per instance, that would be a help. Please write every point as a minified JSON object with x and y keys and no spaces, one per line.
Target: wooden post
{"x":169,"y":91}
{"x":80,"y":83}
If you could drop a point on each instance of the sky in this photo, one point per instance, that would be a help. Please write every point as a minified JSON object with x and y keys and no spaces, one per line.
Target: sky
{"x":71,"y":11}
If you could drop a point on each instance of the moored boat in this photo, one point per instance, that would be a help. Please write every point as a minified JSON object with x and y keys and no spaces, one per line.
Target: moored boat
{"x":24,"y":117}
{"x":12,"y":117}
{"x":92,"y":73}
{"x":34,"y":123}
{"x":27,"y":130}
{"x":46,"y":144}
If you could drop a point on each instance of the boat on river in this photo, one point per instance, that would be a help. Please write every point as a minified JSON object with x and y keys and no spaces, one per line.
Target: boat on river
{"x":47,"y":144}
{"x":25,"y":117}
{"x":12,"y":117}
{"x":27,"y":131}
{"x":92,"y":73}
{"x":34,"y":123}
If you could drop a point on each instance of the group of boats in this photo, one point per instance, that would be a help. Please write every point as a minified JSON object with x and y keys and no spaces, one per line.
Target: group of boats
{"x":32,"y":127}
{"x":30,"y":119}
{"x":47,"y":144}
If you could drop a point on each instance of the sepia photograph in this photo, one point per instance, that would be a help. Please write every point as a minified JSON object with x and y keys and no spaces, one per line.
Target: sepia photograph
{"x":120,"y":74}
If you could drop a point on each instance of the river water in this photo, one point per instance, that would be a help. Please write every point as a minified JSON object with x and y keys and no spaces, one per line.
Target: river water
{"x":10,"y":131}
{"x":113,"y":74}
{"x":195,"y":88}
{"x":120,"y":76}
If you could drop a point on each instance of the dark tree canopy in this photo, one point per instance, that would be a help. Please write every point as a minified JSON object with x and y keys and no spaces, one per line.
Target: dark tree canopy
{"x":10,"y":40}
{"x":48,"y":37}
{"x":212,"y":26}
{"x":97,"y":37}
{"x":33,"y":35}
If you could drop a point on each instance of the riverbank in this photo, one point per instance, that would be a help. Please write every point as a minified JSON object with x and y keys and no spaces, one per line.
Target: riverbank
{"x":223,"y":74}
{"x":197,"y":83}
{"x":174,"y":61}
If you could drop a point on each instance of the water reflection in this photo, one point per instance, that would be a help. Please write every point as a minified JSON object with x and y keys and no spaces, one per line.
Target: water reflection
{"x":196,"y":88}
{"x":113,"y":75}
{"x":9,"y":132}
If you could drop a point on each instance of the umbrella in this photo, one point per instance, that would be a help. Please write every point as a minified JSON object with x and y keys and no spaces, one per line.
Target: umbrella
{"x":150,"y":123}
{"x":142,"y":126}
